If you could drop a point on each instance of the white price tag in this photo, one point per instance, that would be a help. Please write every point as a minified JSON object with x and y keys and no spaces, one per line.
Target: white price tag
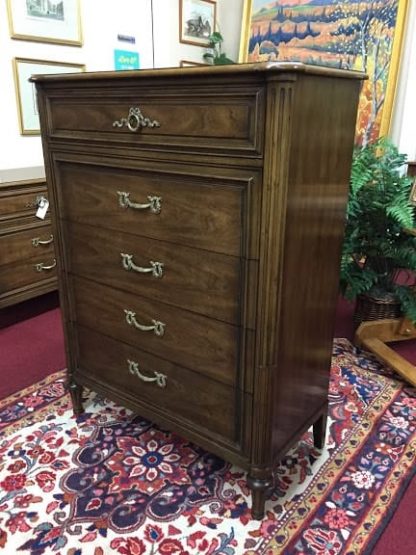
{"x":42,"y":208}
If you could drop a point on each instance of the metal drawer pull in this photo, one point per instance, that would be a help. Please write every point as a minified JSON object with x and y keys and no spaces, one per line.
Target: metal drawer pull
{"x":159,"y":378}
{"x":135,"y":120}
{"x":41,"y":266}
{"x":36,"y":241}
{"x":40,"y":200}
{"x":153,"y":204}
{"x":158,"y":328}
{"x":156,"y":268}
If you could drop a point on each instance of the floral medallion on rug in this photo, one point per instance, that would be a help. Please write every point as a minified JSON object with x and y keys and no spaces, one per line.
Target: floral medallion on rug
{"x":114,"y":483}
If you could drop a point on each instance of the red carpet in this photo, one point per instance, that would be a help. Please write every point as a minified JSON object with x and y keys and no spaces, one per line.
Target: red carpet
{"x":31,"y":348}
{"x":31,"y":343}
{"x":399,"y":538}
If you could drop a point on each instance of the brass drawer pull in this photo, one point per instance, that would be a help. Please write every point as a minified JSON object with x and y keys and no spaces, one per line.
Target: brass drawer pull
{"x":36,"y":241}
{"x":159,"y":378}
{"x":41,"y":266}
{"x":156,"y":268}
{"x":39,"y":201}
{"x":158,"y":328}
{"x":153,"y":204}
{"x":135,"y":120}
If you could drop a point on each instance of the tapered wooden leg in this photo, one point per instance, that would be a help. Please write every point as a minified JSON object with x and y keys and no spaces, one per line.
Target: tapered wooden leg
{"x":75,"y":391}
{"x":260,"y":490}
{"x":319,"y":431}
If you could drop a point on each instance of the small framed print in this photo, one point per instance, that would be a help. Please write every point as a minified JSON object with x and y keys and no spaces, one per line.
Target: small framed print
{"x":413,"y":193}
{"x":197,"y":20}
{"x":55,"y":21}
{"x":26,"y":91}
{"x":188,"y":63}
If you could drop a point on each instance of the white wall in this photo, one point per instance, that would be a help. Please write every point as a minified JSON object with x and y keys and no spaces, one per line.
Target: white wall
{"x":100,"y":39}
{"x":168,"y":50}
{"x":230,"y":19}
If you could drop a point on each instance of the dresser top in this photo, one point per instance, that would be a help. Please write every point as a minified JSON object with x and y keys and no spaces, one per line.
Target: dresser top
{"x":22,"y":182}
{"x":269,"y":68}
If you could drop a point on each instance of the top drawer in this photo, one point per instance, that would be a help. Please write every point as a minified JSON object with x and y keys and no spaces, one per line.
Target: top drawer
{"x":20,"y":199}
{"x":221,"y":121}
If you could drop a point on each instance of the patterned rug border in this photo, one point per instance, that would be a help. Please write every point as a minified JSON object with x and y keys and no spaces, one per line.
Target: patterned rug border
{"x":374,"y":411}
{"x":40,"y":413}
{"x":341,"y":448}
{"x":389,"y":513}
{"x":396,"y":485}
{"x":11,"y":399}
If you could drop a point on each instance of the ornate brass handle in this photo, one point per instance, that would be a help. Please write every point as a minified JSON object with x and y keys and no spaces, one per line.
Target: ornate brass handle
{"x":36,"y":241}
{"x":41,"y":266}
{"x":156,"y":268}
{"x":159,"y":378}
{"x":153,"y":204}
{"x":135,"y":120}
{"x":158,"y":328}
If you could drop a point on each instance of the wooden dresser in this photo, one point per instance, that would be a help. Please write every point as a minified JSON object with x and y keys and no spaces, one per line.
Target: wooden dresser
{"x":199,"y":220}
{"x":27,"y":259}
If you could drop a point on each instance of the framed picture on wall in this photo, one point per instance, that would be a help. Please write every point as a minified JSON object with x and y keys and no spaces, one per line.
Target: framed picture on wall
{"x":413,"y":193}
{"x":365,"y":36}
{"x":26,"y":91}
{"x":188,"y":63}
{"x":197,"y":20}
{"x":56,"y":21}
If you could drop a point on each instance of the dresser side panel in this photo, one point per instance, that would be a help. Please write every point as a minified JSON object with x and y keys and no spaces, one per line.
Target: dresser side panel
{"x":319,"y":164}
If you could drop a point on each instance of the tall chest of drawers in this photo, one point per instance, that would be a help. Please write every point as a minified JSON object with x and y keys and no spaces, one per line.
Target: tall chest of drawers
{"x":27,"y":260}
{"x":199,"y":220}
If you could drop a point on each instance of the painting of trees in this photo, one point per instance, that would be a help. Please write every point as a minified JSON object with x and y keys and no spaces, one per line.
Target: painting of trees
{"x":348,"y":35}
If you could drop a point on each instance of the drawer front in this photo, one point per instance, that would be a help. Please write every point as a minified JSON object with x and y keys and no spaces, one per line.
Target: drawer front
{"x":221,"y":121}
{"x":201,"y":344}
{"x":194,"y":212}
{"x":197,"y":280}
{"x":20,"y":201}
{"x":170,"y":389}
{"x":27,"y":273}
{"x":35,"y":242}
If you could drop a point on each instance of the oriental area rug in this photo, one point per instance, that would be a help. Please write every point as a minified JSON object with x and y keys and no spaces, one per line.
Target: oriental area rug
{"x":114,"y":483}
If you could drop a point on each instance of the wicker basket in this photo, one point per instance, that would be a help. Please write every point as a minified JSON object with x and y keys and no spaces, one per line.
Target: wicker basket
{"x":371,"y":307}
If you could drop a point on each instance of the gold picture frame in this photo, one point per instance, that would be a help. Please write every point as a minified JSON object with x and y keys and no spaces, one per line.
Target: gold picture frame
{"x":412,"y":197}
{"x":26,"y":99}
{"x":189,"y":63}
{"x":31,"y":21}
{"x":382,"y":43}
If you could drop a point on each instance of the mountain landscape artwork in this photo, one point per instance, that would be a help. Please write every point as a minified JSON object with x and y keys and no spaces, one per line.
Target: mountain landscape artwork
{"x":345,"y":34}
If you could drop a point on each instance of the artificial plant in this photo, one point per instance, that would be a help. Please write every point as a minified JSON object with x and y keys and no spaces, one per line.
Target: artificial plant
{"x":215,"y":55}
{"x":379,"y":240}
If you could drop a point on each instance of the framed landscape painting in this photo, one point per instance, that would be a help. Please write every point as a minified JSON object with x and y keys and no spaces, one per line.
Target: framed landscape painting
{"x":365,"y":36}
{"x":55,"y":21}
